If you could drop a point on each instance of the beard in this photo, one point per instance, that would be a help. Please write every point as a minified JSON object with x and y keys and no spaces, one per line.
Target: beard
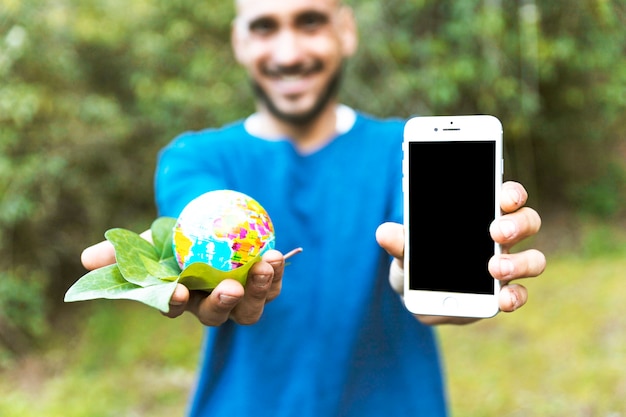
{"x":306,"y":117}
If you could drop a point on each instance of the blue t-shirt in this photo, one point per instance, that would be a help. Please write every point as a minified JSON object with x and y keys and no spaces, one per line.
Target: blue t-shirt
{"x":337,"y":341}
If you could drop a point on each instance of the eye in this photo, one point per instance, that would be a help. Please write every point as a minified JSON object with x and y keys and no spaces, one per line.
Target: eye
{"x":262,"y":27}
{"x":312,"y":21}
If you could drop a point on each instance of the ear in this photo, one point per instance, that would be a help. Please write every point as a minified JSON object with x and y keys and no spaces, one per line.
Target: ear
{"x":348,"y":31}
{"x":236,"y":41}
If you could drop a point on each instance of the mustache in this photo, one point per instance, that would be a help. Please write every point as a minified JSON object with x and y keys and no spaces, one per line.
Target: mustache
{"x":307,"y":117}
{"x":291,"y":70}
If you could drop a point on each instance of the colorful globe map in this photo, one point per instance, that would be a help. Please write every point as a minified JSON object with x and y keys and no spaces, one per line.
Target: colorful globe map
{"x":224,"y":229}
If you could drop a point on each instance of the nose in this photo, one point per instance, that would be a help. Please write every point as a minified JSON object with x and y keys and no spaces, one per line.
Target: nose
{"x":287,"y":49}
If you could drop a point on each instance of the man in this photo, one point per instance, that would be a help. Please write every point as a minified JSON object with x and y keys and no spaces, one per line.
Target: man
{"x":338,"y":340}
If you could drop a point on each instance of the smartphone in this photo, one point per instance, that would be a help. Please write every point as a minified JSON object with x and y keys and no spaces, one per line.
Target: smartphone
{"x":452,"y":175}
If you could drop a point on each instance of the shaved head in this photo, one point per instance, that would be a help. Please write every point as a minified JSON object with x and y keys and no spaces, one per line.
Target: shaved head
{"x":239,"y":3}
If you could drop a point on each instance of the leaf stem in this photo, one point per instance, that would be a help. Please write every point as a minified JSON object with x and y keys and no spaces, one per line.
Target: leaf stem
{"x":292,"y":253}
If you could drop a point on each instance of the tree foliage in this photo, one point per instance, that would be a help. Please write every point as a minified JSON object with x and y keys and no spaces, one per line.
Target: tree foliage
{"x":553,"y":72}
{"x":90,"y":90}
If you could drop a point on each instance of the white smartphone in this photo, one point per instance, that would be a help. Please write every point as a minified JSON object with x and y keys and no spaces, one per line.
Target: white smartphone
{"x":452,"y":168}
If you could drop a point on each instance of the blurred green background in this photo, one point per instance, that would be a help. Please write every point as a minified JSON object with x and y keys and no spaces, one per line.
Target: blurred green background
{"x":90,"y":90}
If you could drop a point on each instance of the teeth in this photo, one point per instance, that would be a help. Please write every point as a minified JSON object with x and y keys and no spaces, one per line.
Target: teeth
{"x":291,"y":77}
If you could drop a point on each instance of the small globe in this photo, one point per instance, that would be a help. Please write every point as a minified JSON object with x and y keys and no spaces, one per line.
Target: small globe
{"x":224,"y":229}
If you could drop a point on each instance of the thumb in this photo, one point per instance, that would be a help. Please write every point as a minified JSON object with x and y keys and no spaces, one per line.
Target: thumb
{"x":99,"y":255}
{"x":390,"y":237}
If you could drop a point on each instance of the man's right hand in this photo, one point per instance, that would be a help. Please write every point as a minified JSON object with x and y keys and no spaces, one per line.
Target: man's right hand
{"x":229,"y":299}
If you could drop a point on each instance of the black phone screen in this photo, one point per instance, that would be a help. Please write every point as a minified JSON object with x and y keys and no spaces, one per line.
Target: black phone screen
{"x":451,"y":205}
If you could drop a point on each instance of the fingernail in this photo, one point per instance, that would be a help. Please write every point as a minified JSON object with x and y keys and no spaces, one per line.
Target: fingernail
{"x":515,"y":196}
{"x":514,"y":300}
{"x":506,"y":267}
{"x":276,"y":264}
{"x":228,"y":299}
{"x":507,"y":228}
{"x":261,"y":280}
{"x":177,"y":297}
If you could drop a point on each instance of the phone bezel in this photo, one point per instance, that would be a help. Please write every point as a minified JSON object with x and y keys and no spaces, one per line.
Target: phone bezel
{"x":451,"y":128}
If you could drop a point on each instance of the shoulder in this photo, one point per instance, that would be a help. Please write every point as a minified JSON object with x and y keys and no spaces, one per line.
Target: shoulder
{"x":208,"y":136}
{"x":382,"y":122}
{"x":377,"y":132}
{"x":196,"y":145}
{"x":373,"y":126}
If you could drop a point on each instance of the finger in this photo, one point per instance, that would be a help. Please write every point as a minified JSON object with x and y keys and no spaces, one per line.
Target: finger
{"x":258,"y":285}
{"x":99,"y":255}
{"x":506,"y":267}
{"x":512,"y":297}
{"x":213,"y":309}
{"x":512,"y":197}
{"x":103,"y":253}
{"x":277,"y":261}
{"x":390,"y":236}
{"x":178,"y":302}
{"x":396,"y":277}
{"x":514,"y":227}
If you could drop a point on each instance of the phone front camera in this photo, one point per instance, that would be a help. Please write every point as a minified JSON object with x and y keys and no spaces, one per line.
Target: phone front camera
{"x":436,"y":129}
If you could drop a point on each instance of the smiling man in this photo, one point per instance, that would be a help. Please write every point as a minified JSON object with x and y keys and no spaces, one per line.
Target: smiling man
{"x":295,"y":61}
{"x":335,"y":340}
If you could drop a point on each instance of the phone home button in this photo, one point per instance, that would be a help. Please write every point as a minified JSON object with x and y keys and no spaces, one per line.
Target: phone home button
{"x":450,"y":304}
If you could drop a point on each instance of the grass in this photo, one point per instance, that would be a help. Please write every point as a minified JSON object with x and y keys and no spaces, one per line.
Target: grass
{"x":563,"y":354}
{"x":125,"y":360}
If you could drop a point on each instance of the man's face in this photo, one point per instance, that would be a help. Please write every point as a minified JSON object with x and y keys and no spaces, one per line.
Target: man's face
{"x":293,"y":50}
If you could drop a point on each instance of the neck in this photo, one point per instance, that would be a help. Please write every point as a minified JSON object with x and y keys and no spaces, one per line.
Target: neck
{"x":306,"y":137}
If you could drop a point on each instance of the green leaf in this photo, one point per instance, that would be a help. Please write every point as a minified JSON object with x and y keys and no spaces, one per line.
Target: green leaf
{"x":98,"y":283}
{"x":201,"y":276}
{"x":159,"y":269}
{"x":172,"y":264}
{"x":131,"y":253}
{"x":162,"y":230}
{"x":109,"y":283}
